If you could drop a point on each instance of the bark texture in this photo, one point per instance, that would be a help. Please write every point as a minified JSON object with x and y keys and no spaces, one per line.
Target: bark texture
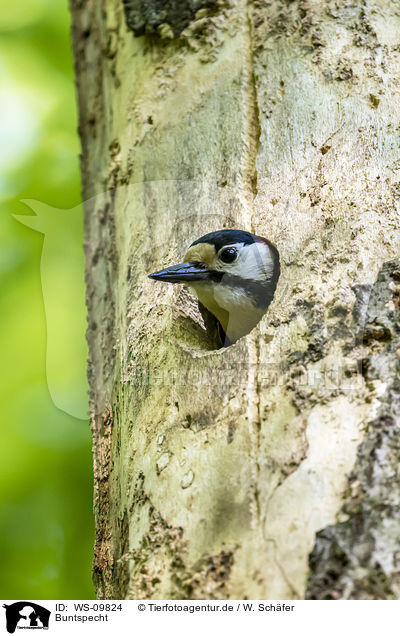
{"x":268,"y":469}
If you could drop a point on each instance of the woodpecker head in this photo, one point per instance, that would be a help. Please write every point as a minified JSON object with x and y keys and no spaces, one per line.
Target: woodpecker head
{"x":234,"y":275}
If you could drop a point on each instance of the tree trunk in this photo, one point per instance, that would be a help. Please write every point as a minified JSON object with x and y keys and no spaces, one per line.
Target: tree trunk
{"x":267,"y":469}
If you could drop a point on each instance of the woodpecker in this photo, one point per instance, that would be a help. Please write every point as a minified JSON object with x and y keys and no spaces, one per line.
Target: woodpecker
{"x":233,"y":274}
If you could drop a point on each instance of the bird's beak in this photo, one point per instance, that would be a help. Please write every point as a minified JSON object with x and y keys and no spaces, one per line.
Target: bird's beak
{"x":182,"y":273}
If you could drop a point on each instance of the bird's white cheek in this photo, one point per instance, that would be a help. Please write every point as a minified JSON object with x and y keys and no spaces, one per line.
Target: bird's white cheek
{"x":209,"y":295}
{"x":205,"y":292}
{"x":215,"y":295}
{"x":230,"y":298}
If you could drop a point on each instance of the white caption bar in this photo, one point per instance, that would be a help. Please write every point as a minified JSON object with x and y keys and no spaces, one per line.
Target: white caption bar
{"x":178,"y":618}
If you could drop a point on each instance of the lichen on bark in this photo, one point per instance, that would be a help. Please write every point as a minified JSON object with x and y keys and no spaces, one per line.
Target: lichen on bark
{"x":359,"y":558}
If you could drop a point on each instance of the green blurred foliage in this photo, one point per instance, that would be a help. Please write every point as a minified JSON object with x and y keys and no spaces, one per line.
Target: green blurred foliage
{"x":46,"y":522}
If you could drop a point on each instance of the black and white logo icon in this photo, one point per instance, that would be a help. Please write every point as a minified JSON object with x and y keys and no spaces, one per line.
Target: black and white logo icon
{"x":26,"y":615}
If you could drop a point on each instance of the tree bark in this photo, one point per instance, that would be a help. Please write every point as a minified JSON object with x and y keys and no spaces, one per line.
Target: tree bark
{"x":267,"y":469}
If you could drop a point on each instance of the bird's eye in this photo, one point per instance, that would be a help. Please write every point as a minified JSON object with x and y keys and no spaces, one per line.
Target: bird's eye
{"x":228,"y":255}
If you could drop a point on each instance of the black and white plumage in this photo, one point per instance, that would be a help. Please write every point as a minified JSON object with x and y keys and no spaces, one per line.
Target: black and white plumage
{"x":233,"y":274}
